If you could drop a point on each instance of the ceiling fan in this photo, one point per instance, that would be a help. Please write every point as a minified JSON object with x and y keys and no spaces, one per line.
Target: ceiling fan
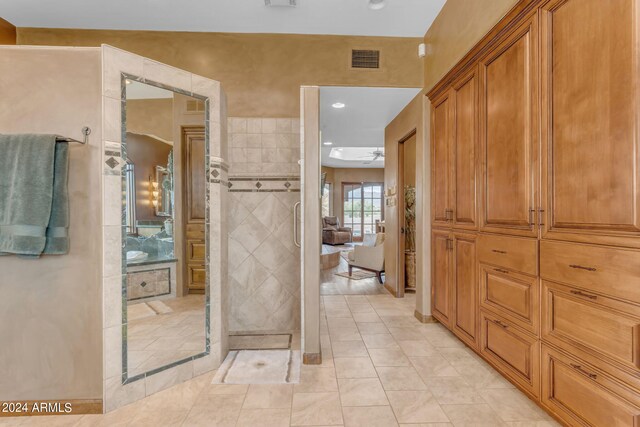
{"x":375,"y":155}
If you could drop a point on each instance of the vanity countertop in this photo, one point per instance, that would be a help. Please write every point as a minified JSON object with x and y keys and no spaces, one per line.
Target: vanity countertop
{"x":152,"y":259}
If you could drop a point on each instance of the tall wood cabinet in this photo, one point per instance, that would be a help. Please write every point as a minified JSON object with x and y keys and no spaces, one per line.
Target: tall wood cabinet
{"x":536,"y":205}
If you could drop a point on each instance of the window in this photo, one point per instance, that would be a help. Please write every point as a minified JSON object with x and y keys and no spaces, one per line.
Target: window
{"x":362,"y":207}
{"x":327,"y":196}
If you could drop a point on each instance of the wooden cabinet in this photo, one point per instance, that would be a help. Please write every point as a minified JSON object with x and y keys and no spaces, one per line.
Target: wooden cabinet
{"x":441,"y":245}
{"x":464,"y":158}
{"x":514,"y":352}
{"x":583,"y":395}
{"x":441,"y":135}
{"x":465,"y":288}
{"x":590,"y":137}
{"x":514,"y":253}
{"x":194,"y":181}
{"x":509,"y":135}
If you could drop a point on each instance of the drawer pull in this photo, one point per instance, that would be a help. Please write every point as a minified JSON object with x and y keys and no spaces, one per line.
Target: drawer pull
{"x":498,"y":251}
{"x":499,"y":323}
{"x":499,"y":270}
{"x":581,"y":267}
{"x":583,"y":372}
{"x":582,"y":294}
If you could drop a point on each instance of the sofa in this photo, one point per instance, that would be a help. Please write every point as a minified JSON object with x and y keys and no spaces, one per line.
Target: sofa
{"x":369,"y":256}
{"x":332,"y":233}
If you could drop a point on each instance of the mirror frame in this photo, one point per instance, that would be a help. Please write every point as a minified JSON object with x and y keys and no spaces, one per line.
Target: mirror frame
{"x":126,"y":379}
{"x":167,"y":205}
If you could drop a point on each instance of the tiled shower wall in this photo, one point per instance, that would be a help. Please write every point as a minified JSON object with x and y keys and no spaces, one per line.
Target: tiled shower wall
{"x":264,"y":263}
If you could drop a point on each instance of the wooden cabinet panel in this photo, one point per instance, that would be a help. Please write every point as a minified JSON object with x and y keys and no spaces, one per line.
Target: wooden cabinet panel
{"x":509,"y":136}
{"x":465,"y":285}
{"x":514,"y":253}
{"x":591,"y":172}
{"x":195,"y":251}
{"x":465,"y":152}
{"x":441,"y":276}
{"x":585,"y":396}
{"x":516,"y":353}
{"x":441,"y":136}
{"x":197,"y":277}
{"x":511,"y":295}
{"x":609,"y":271}
{"x":606,"y":326}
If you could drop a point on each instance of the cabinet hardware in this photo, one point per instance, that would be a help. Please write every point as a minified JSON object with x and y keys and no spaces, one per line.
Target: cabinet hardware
{"x":582,"y":294}
{"x":581,"y":267}
{"x":540,"y":218}
{"x":531,"y":212}
{"x":498,"y":251}
{"x":583,"y":372}
{"x":502,"y":325}
{"x":499,"y":270}
{"x":448,"y":214}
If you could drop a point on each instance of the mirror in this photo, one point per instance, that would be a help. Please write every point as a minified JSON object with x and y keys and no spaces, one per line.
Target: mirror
{"x":164,"y":253}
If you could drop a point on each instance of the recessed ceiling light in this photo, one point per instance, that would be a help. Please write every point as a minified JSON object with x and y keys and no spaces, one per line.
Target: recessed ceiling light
{"x":338,"y":105}
{"x":128,"y":81}
{"x":376,"y":4}
{"x":328,"y":143}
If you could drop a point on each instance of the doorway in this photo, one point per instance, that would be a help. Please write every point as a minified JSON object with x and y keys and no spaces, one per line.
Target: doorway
{"x":407,"y":214}
{"x":363,"y":207}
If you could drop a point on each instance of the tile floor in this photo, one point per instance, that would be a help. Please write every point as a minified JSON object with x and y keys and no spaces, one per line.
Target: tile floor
{"x":330,"y":284}
{"x":162,"y":339}
{"x":381,"y":368}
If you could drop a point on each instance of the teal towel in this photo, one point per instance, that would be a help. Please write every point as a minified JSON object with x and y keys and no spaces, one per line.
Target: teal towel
{"x":34,"y":200}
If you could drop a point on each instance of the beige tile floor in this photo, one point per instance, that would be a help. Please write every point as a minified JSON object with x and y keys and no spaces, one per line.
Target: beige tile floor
{"x":162,"y":339}
{"x":386,"y":370}
{"x":330,"y":284}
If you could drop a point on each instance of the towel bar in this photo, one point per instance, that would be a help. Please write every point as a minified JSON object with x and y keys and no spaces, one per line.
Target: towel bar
{"x":86,"y":131}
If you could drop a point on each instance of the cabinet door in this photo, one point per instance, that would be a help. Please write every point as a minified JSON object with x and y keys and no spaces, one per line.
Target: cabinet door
{"x":440,"y":157}
{"x":465,"y":288}
{"x":590,"y":121}
{"x":465,"y":152}
{"x":441,"y":245}
{"x":509,"y":135}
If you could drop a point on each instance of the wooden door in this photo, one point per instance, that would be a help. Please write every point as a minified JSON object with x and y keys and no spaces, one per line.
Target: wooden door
{"x":465,"y":152}
{"x":509,"y":135}
{"x":194,"y":181}
{"x":590,"y":93}
{"x":465,"y":288}
{"x":441,"y":135}
{"x":441,"y":248}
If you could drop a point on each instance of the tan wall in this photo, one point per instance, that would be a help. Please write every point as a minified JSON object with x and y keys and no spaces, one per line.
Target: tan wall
{"x":261,"y":73}
{"x":409,"y":120}
{"x":7,"y":32}
{"x":410,"y":162}
{"x":146,"y":153}
{"x":458,"y":27}
{"x":151,"y":116}
{"x":337,"y":176}
{"x":51,"y":308}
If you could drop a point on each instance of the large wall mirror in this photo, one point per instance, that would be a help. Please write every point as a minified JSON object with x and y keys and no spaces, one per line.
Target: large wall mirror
{"x":165,"y":260}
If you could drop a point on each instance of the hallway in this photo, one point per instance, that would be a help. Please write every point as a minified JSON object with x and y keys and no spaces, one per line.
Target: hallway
{"x":381,"y":368}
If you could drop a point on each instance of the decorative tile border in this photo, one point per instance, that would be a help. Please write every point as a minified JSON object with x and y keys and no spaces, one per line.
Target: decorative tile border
{"x":286,"y":184}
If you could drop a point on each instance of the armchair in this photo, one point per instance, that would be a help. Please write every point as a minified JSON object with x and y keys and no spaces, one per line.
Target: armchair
{"x":332,"y":233}
{"x":369,"y":256}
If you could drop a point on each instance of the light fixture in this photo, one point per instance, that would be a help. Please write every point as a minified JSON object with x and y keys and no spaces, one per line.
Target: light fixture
{"x":280,"y":3}
{"x":376,"y":4}
{"x":328,"y":143}
{"x":128,"y":81}
{"x":338,"y":105}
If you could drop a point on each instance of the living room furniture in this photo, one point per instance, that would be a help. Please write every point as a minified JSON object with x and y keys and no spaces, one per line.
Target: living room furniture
{"x":369,"y":256}
{"x":332,"y":233}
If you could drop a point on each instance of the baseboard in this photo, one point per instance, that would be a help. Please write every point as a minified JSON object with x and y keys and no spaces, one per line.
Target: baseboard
{"x":312,"y":358}
{"x":32,"y":408}
{"x":425,"y":318}
{"x":391,"y":290}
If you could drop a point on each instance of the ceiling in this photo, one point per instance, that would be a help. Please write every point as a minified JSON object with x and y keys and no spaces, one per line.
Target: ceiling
{"x":361,"y":122}
{"x":399,"y":18}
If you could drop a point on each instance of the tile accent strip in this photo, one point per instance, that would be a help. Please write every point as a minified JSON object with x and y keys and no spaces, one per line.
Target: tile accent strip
{"x":286,"y":184}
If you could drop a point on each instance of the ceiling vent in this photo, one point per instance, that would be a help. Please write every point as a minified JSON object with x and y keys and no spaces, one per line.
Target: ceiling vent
{"x":280,"y":3}
{"x":369,"y":59}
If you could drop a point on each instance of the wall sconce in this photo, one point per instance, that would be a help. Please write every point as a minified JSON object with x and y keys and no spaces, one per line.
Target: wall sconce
{"x":154,"y":192}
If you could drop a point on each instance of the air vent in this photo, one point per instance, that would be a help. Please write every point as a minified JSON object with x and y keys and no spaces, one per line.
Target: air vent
{"x":280,"y":3}
{"x":365,"y":59}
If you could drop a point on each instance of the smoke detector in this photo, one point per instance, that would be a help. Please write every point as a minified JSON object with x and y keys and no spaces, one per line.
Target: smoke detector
{"x":280,"y":3}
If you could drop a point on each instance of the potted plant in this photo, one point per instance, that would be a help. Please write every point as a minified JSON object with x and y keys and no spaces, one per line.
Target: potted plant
{"x":410,"y":237}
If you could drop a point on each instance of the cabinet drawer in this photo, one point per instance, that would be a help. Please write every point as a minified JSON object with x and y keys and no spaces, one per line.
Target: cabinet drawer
{"x":514,"y":352}
{"x":609,"y":327}
{"x":195,"y":231}
{"x":512,"y":295}
{"x":514,"y":253}
{"x":583,"y":395}
{"x":197,"y":276}
{"x":614,"y":272}
{"x":195,"y":250}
